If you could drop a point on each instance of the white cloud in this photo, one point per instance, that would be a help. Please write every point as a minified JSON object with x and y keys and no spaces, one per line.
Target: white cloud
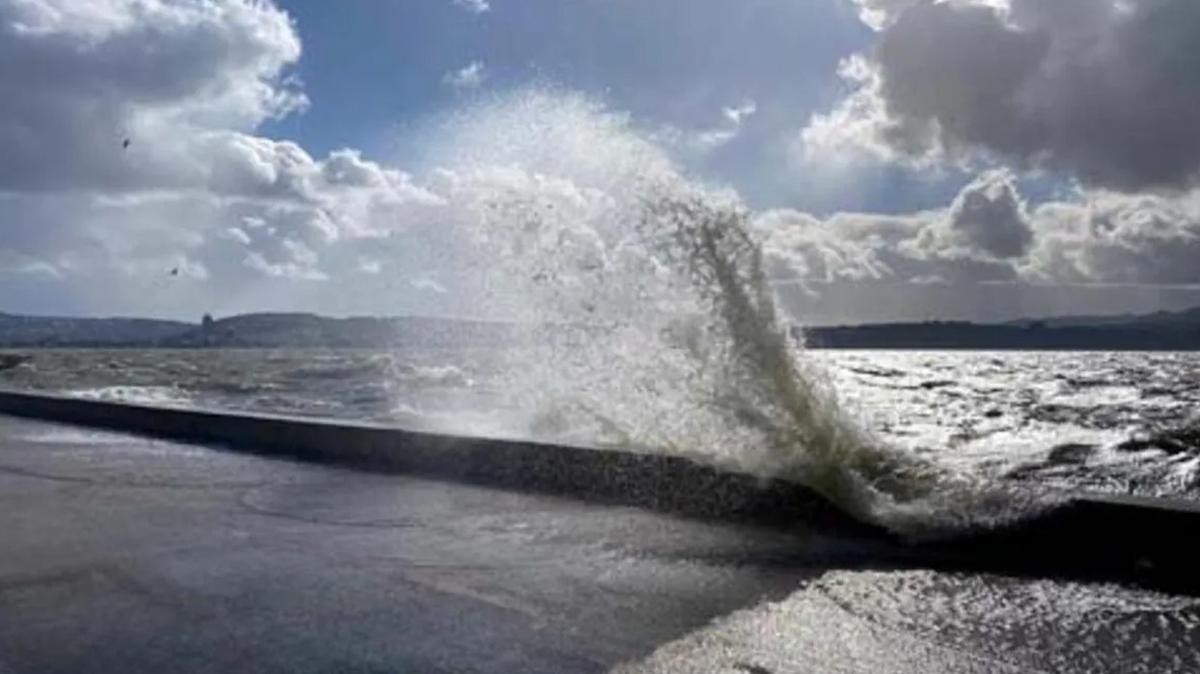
{"x":738,"y":114}
{"x":1108,"y":238}
{"x":860,"y":248}
{"x":195,"y":195}
{"x":733,"y":119}
{"x":860,"y":129}
{"x":470,"y":76}
{"x":295,"y":261}
{"x":878,"y":14}
{"x":988,"y":235}
{"x":164,"y":75}
{"x":16,"y":263}
{"x":474,"y":6}
{"x":236,"y":234}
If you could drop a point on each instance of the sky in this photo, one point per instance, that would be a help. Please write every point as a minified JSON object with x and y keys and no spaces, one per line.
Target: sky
{"x":898,"y":159}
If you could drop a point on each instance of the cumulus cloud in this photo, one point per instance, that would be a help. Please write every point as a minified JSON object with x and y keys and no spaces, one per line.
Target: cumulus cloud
{"x":294,"y":260}
{"x":470,"y":76}
{"x":1110,"y":238}
{"x":988,"y":235}
{"x":128,"y":133}
{"x":987,"y":217}
{"x":861,"y":248}
{"x":861,"y":129}
{"x":78,"y":79}
{"x":1104,"y":90}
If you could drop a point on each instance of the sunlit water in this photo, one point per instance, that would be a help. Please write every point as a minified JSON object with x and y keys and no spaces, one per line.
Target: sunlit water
{"x":918,"y":622}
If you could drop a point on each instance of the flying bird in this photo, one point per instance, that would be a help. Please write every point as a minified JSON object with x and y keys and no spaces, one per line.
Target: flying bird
{"x":125,"y":144}
{"x":175,"y":271}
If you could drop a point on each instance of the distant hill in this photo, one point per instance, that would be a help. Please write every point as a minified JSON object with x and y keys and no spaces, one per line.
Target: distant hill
{"x":311,"y":330}
{"x":60,"y":331}
{"x":266,"y":330}
{"x":1188,"y":316}
{"x":1157,"y":331}
{"x":1161,"y":331}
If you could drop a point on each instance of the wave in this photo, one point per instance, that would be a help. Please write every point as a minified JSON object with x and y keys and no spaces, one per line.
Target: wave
{"x":648,"y":319}
{"x":11,"y":361}
{"x":432,"y":375}
{"x":161,"y":396}
{"x":337,"y":367}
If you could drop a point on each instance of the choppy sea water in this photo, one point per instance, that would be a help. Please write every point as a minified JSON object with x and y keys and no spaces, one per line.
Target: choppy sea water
{"x":1114,"y":422}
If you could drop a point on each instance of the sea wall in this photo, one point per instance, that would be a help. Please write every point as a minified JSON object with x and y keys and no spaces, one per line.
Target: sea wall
{"x":662,"y":483}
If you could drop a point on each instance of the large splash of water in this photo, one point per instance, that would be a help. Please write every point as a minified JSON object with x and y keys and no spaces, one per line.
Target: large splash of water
{"x":647,"y":320}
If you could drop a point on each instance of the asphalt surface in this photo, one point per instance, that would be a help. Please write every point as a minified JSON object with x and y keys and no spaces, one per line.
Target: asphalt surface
{"x":124,"y":554}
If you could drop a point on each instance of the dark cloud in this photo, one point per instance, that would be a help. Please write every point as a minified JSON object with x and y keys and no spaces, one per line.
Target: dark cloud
{"x":1104,"y":90}
{"x":988,"y":216}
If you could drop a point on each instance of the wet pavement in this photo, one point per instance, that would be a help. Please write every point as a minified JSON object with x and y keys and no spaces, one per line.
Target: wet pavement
{"x":126,"y":554}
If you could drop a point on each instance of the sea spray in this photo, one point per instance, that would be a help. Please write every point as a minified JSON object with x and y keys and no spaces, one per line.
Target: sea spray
{"x":646,"y":318}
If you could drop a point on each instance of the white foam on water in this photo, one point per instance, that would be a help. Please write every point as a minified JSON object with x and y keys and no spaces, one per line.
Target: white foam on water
{"x":162,"y":396}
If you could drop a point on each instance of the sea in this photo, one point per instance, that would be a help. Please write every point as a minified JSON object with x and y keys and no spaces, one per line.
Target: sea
{"x":1114,"y":422}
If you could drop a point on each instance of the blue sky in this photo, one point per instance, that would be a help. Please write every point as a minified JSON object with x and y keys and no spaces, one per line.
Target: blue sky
{"x":375,"y":69}
{"x":373,"y":64}
{"x":978,"y":159}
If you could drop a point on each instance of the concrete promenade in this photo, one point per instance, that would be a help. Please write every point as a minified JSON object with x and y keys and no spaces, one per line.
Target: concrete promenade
{"x":124,"y":554}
